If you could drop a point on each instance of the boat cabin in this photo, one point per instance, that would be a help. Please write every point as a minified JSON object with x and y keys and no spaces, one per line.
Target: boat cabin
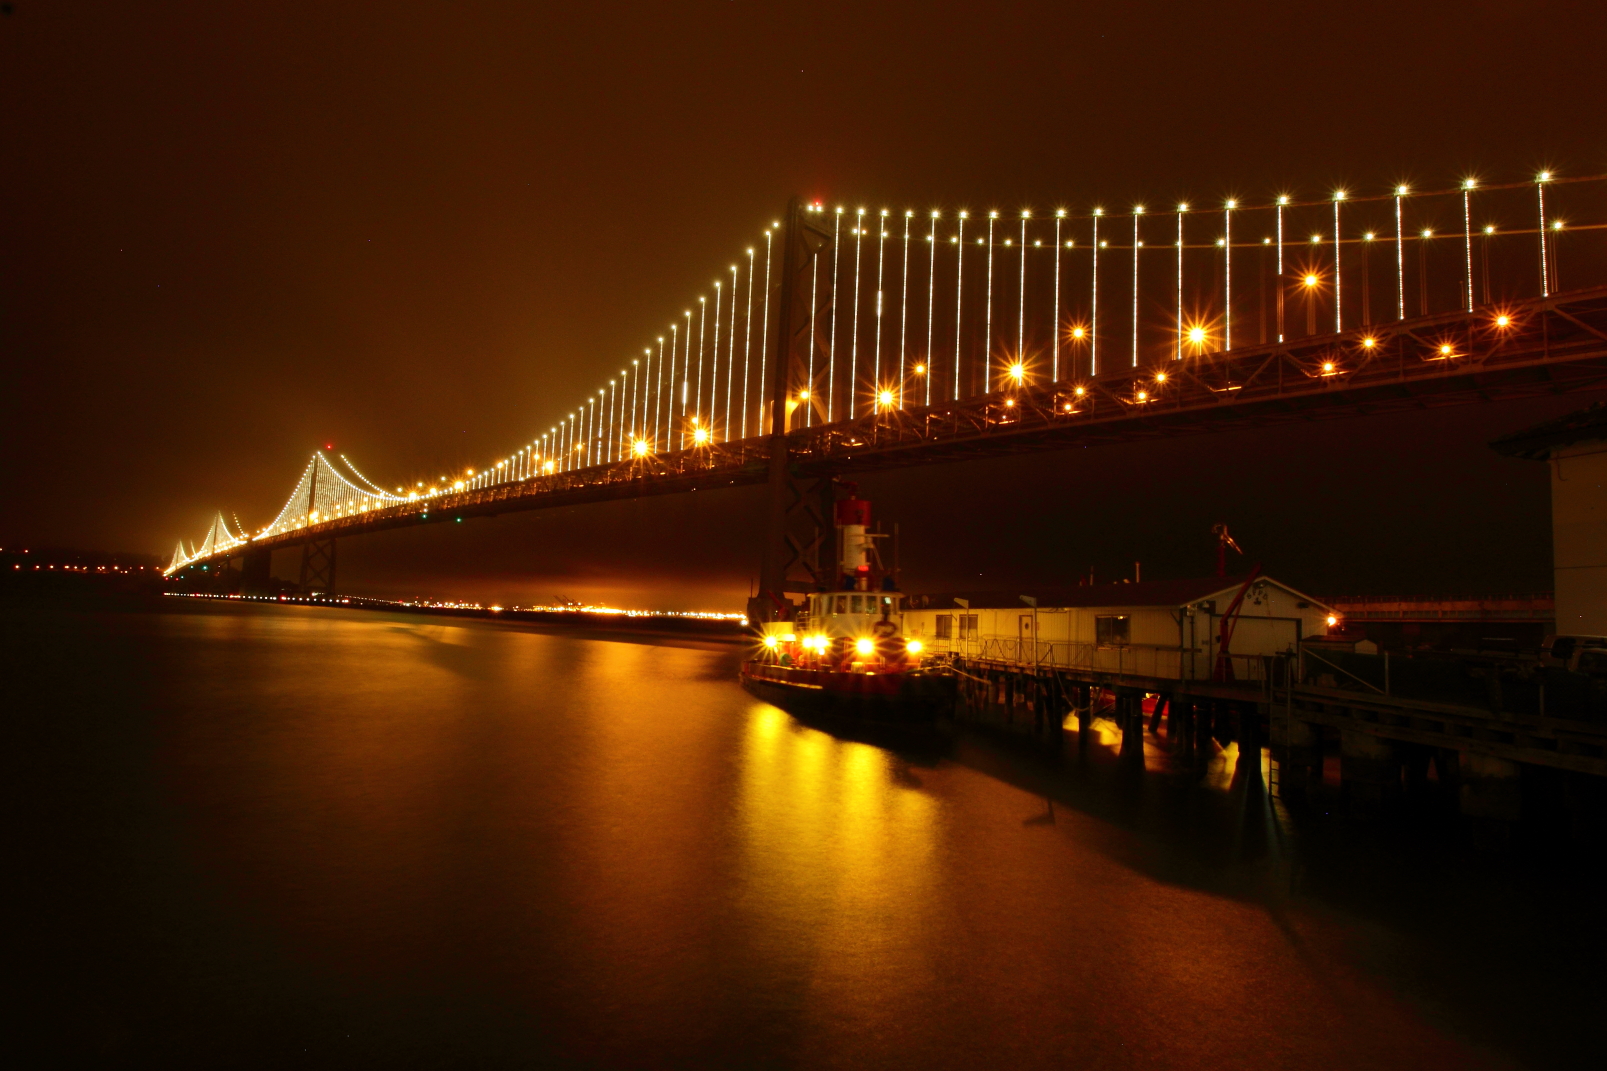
{"x":852,"y":614}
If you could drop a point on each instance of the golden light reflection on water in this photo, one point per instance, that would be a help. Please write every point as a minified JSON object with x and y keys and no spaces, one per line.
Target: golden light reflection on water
{"x":652,"y":869}
{"x":838,"y":843}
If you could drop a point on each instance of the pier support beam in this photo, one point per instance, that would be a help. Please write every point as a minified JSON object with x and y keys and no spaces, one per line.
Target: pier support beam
{"x":1130,"y":717}
{"x":1490,"y":797}
{"x":1370,"y":774}
{"x":1299,"y":747}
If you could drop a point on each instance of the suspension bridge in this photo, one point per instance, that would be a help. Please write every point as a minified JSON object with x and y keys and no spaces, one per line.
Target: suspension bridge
{"x":848,"y":339}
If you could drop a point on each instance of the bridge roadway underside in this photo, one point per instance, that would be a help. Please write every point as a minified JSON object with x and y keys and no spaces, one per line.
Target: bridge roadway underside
{"x":1549,"y":346}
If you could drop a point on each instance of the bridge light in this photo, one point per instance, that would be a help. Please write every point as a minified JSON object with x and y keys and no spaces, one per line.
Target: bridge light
{"x":1545,"y":176}
{"x":1445,"y":350}
{"x":803,"y":395}
{"x":1369,"y":342}
{"x":640,"y":447}
{"x":1556,"y":225}
{"x":1197,"y":335}
{"x":885,"y":399}
{"x":1160,"y":377}
{"x":1401,"y":191}
{"x":1468,"y":184}
{"x":1333,"y":620}
{"x":1310,"y":281}
{"x":920,"y":370}
{"x":1327,"y":368}
{"x":1231,"y":205}
{"x":1427,"y":233}
{"x":1143,"y":396}
{"x":700,"y":436}
{"x":1009,"y":403}
{"x":865,"y":647}
{"x":1489,"y":229}
{"x":1078,"y":332}
{"x":1183,"y":207}
{"x":1080,"y":391}
{"x":1284,"y":199}
{"x":1369,"y":236}
{"x":1503,"y":320}
{"x":1018,"y":371}
{"x":914,"y":646}
{"x":1316,"y":238}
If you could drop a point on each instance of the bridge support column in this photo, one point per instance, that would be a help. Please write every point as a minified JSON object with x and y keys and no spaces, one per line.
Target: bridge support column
{"x":1083,"y":696}
{"x":784,"y":550}
{"x":318,"y":567}
{"x":256,"y":571}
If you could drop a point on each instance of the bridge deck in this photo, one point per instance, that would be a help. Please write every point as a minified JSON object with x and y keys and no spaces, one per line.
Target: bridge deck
{"x":1549,"y":345}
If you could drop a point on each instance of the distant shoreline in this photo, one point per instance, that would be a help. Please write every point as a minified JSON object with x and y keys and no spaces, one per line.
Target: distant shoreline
{"x":638,"y":624}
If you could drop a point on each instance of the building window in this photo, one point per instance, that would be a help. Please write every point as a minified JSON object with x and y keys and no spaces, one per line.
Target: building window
{"x":968,"y":628}
{"x":1112,"y":630}
{"x":945,"y":626}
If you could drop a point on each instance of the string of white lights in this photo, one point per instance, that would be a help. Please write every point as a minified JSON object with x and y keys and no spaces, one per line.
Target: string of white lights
{"x":987,"y":333}
{"x":731,"y":354}
{"x":904,"y":314}
{"x":831,"y":349}
{"x":959,"y":298}
{"x":747,"y":346}
{"x":764,"y":335}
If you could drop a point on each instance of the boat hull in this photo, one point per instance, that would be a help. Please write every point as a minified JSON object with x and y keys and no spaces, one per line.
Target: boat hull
{"x":896,"y":698}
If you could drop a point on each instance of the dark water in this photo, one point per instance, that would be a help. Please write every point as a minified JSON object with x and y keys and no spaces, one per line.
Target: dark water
{"x":275,"y":836}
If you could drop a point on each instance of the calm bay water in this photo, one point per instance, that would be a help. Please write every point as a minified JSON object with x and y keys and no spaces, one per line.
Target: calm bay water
{"x":263,"y":835}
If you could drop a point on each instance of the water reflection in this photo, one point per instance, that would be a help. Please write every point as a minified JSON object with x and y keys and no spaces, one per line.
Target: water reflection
{"x":837,"y":864}
{"x":384,"y":837}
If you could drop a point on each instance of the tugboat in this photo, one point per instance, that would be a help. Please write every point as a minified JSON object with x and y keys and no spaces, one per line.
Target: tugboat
{"x":844,"y":655}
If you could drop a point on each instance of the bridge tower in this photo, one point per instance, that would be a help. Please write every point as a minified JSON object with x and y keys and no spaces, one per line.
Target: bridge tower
{"x":797,"y":554}
{"x":317,"y":555}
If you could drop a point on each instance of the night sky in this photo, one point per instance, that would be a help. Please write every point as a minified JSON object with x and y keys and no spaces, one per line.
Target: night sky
{"x":233,"y":233}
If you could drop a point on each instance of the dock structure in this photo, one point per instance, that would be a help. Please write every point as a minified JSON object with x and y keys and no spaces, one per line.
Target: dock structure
{"x":1151,"y":657}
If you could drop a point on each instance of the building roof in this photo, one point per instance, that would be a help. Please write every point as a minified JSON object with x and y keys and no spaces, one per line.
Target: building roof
{"x":1145,"y":593}
{"x":1539,"y":442}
